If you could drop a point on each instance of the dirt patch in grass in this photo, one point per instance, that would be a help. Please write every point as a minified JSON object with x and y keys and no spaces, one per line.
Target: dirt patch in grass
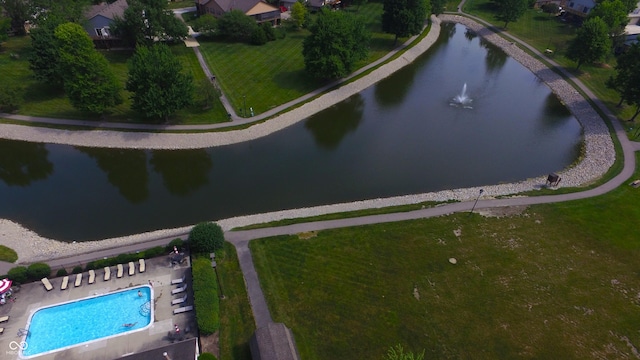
{"x":211,"y":343}
{"x":307,"y":235}
{"x":503,"y":211}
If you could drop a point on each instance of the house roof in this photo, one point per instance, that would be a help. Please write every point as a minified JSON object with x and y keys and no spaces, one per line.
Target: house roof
{"x":243,"y":5}
{"x":109,"y":11}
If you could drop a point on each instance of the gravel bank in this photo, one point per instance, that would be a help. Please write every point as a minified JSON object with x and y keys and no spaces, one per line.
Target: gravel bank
{"x":599,"y":153}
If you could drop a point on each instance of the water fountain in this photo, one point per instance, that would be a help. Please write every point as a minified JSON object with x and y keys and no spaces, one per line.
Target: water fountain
{"x":462,"y":100}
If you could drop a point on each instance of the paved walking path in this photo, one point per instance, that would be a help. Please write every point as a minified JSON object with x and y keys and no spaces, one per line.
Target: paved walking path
{"x":240,"y":239}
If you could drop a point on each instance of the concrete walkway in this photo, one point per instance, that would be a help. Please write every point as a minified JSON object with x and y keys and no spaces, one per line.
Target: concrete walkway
{"x":240,"y":239}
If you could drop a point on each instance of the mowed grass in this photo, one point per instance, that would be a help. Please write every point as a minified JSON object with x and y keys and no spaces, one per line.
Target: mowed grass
{"x":544,"y":31}
{"x":43,"y":100}
{"x":236,"y":319}
{"x":557,"y":281}
{"x":263,"y":77}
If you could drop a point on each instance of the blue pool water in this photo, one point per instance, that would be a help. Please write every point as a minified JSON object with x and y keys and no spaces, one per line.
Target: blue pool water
{"x":76,"y":322}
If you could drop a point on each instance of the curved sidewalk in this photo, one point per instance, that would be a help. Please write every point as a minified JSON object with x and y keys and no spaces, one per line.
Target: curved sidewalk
{"x":240,"y":239}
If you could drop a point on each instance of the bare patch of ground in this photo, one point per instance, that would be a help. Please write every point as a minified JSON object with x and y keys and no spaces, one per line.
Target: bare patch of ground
{"x":502,"y":211}
{"x":211,"y":343}
{"x":307,"y":235}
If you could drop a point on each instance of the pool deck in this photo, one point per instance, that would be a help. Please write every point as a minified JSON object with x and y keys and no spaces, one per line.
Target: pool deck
{"x":34,"y":295}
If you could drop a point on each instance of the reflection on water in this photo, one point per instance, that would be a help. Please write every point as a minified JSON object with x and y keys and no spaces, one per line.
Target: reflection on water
{"x":182,"y":172}
{"x":340,"y":119}
{"x":126,"y":170}
{"x":398,"y":137}
{"x":22,"y":163}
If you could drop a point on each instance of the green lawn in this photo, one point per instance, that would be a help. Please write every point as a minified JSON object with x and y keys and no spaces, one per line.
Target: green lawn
{"x":236,"y":319}
{"x":558,"y":281}
{"x":47,"y":101}
{"x":263,"y":77}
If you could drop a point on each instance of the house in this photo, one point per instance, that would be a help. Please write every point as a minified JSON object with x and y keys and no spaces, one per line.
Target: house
{"x":260,"y":10}
{"x":100,"y":17}
{"x":579,"y":8}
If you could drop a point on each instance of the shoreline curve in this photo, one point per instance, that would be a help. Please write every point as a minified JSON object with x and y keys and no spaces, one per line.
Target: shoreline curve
{"x":598,"y":156}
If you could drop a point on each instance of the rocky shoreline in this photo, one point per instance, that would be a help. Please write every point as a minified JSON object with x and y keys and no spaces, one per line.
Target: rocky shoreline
{"x":598,"y":152}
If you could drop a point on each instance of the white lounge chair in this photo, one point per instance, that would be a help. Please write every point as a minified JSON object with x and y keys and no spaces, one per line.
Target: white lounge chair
{"x":78,"y":279}
{"x":107,"y":273}
{"x":132,"y":268}
{"x":178,"y":281}
{"x":179,"y":290}
{"x":1,"y":331}
{"x":65,"y":283}
{"x":142,"y":265}
{"x":47,"y":284}
{"x":4,"y":318}
{"x":179,"y":300}
{"x":182,"y":309}
{"x":92,"y":276}
{"x":120,"y":271}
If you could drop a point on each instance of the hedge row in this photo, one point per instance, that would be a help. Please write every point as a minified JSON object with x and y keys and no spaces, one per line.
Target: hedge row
{"x":35,"y":271}
{"x":125,"y":258}
{"x":205,"y":293}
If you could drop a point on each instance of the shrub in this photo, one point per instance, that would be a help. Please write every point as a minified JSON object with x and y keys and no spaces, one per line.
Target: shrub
{"x":258,"y":37}
{"x":37,"y":271}
{"x":10,"y":98}
{"x":153,"y":252}
{"x":206,"y":237}
{"x":205,"y":294}
{"x":268,"y":31}
{"x":207,"y":356}
{"x":177,"y":242}
{"x":61,"y":272}
{"x":91,"y":265}
{"x":77,"y":270}
{"x":18,"y":274}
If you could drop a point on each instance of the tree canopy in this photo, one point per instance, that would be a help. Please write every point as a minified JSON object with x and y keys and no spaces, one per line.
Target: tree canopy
{"x":613,"y":13}
{"x":206,"y":237}
{"x":88,"y":80}
{"x":235,"y":25}
{"x":591,"y":43}
{"x":43,"y":60}
{"x":18,"y":11}
{"x":157,"y":82}
{"x":337,"y":41}
{"x":404,"y":17}
{"x":510,"y":10}
{"x":299,"y":14}
{"x":146,"y":21}
{"x":626,"y":80}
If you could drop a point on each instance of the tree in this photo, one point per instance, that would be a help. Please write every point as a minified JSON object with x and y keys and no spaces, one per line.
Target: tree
{"x":627,"y":66}
{"x":206,"y":25}
{"x":88,"y":81}
{"x":299,"y":14}
{"x":146,"y":21}
{"x":337,"y":41}
{"x":236,"y":26}
{"x":551,"y":8}
{"x":437,"y":6}
{"x":626,"y":81}
{"x":591,"y":43}
{"x":404,"y":17}
{"x":43,"y":60}
{"x":19,"y":11}
{"x":206,"y":237}
{"x":5,"y":26}
{"x":157,"y":82}
{"x":510,"y":10}
{"x":398,"y":353}
{"x":613,"y":13}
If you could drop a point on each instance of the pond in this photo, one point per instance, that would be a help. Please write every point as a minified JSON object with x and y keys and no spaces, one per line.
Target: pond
{"x":401,"y":136}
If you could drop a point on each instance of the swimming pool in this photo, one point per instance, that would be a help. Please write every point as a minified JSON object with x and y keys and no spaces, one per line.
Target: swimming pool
{"x":58,"y":327}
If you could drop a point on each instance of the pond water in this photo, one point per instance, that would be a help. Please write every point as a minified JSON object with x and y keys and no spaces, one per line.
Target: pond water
{"x":401,"y":136}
